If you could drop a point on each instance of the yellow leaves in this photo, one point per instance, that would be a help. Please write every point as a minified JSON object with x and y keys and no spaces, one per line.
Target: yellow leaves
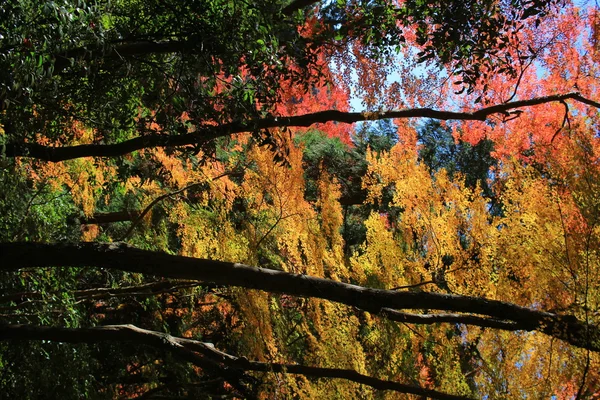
{"x":381,"y":255}
{"x":388,"y":168}
{"x":444,"y":231}
{"x":332,"y":343}
{"x":82,"y":178}
{"x":540,"y":251}
{"x":512,"y":363}
{"x":441,"y":224}
{"x":179,"y":172}
{"x":534,"y":245}
{"x":331,"y":220}
{"x":89,"y":233}
{"x":331,"y":210}
{"x":254,"y":306}
{"x":208,"y":234}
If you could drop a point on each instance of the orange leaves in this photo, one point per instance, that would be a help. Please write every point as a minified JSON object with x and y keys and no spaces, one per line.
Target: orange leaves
{"x":179,"y":172}
{"x":322,"y":98}
{"x":550,"y":58}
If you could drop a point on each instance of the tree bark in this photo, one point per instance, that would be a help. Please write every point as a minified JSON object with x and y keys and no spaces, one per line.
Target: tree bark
{"x":110,"y":217}
{"x":206,"y":133}
{"x":14,"y":256}
{"x":209,"y":356}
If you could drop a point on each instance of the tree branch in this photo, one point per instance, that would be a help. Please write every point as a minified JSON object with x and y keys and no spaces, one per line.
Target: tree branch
{"x":426,"y":319}
{"x":147,"y":289}
{"x":130,"y":333}
{"x":123,"y":50}
{"x":110,"y":217}
{"x":216,"y":360}
{"x":14,"y":256}
{"x":206,"y":133}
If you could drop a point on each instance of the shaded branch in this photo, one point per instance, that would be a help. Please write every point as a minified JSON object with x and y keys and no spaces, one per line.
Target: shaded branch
{"x":148,"y":289}
{"x":206,"y":133}
{"x":427,"y":319}
{"x":348,"y":374}
{"x":123,"y":50}
{"x":212,"y":358}
{"x":413,"y":286}
{"x":150,"y":393}
{"x":129,"y":333}
{"x":110,"y":217}
{"x":14,"y":256}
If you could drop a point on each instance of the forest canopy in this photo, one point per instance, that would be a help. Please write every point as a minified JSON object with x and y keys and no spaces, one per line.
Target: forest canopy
{"x":299,"y":199}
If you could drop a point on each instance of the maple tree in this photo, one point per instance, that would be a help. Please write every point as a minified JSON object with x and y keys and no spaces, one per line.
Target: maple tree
{"x":184,"y":178}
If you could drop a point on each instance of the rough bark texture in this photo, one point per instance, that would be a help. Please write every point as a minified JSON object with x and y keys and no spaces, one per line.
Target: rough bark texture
{"x":14,"y":256}
{"x":207,"y":133}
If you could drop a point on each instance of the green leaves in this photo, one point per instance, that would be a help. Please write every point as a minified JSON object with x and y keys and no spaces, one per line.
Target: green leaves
{"x":468,"y":35}
{"x":92,"y":59}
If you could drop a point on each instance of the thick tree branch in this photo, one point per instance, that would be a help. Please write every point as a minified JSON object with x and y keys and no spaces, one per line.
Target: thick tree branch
{"x":14,"y":256}
{"x":212,"y":358}
{"x":130,"y":333}
{"x":347,"y":374}
{"x":207,"y":133}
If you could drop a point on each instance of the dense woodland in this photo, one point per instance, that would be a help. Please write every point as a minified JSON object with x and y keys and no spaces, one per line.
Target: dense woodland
{"x":190,"y":207}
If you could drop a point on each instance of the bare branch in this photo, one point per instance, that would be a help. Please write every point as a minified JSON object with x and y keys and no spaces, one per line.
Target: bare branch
{"x":426,"y":319}
{"x":416,"y":285}
{"x":110,"y":217}
{"x":147,"y":289}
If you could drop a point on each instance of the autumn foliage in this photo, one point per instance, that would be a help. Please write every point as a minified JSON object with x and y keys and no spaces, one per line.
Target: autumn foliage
{"x":262,"y":169}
